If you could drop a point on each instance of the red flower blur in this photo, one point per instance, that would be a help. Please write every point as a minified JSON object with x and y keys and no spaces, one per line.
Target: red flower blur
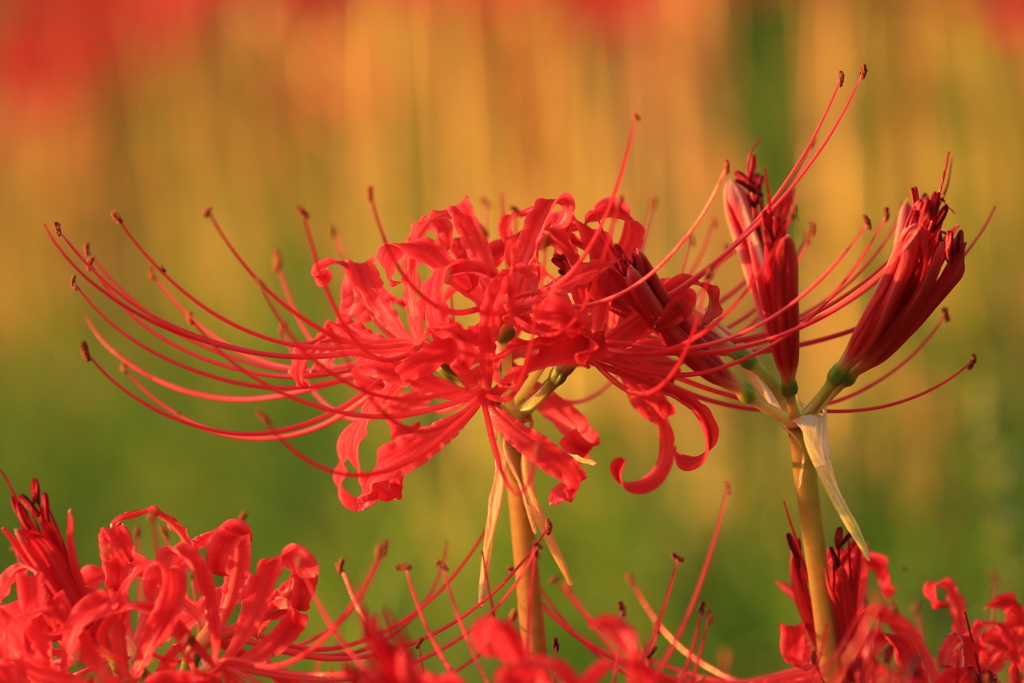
{"x":195,"y":612}
{"x":877,"y":643}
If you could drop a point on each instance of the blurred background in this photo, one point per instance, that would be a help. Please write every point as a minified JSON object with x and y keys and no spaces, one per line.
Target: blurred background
{"x":160,"y":109}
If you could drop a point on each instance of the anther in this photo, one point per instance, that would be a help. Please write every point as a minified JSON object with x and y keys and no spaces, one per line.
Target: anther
{"x":512,"y":614}
{"x":678,"y":558}
{"x":650,"y":653}
{"x":87,"y":249}
{"x":442,"y":565}
{"x":842,"y":79}
{"x":263,"y":417}
{"x":302,"y":211}
{"x":945,"y":315}
{"x":554,"y":644}
{"x":56,"y":229}
{"x":151,"y":274}
{"x":548,"y":526}
{"x":189,"y":320}
{"x":635,"y":117}
{"x":276,"y":261}
{"x":89,"y":261}
{"x":867,"y":221}
{"x":117,"y":217}
{"x":885,"y":213}
{"x":339,"y":566}
{"x":725,"y":165}
{"x":622,"y":609}
{"x":863,"y":70}
{"x":74,"y":283}
{"x":243,"y":515}
{"x":973,"y":362}
{"x":85,"y":352}
{"x":123,"y":369}
{"x":554,"y":580}
{"x":369,"y":193}
{"x":403,"y":567}
{"x":208,"y":212}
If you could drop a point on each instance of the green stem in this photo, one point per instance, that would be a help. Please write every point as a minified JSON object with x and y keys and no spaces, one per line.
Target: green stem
{"x":528,"y":601}
{"x":812,"y":533}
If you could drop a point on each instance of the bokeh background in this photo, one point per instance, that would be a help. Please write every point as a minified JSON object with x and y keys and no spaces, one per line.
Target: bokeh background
{"x":160,"y":109}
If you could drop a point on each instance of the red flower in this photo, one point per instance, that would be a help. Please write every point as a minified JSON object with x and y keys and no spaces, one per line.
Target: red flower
{"x":925,"y":264}
{"x":464,"y":326}
{"x":769,"y":261}
{"x":195,"y":612}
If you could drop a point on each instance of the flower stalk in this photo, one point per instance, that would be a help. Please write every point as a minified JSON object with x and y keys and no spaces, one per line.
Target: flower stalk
{"x":528,"y":604}
{"x":812,"y":533}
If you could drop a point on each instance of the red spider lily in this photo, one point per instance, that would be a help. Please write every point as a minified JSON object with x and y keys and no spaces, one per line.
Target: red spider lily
{"x":769,"y":260}
{"x":925,"y":264}
{"x":877,"y":643}
{"x":195,"y":612}
{"x":488,"y":330}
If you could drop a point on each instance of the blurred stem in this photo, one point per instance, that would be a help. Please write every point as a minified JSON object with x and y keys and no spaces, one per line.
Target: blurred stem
{"x":812,"y":534}
{"x":528,"y":601}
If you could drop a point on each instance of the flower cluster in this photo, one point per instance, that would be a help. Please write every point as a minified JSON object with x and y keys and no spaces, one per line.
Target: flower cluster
{"x":197,"y":612}
{"x":194,"y":612}
{"x":878,"y":643}
{"x":452,"y":323}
